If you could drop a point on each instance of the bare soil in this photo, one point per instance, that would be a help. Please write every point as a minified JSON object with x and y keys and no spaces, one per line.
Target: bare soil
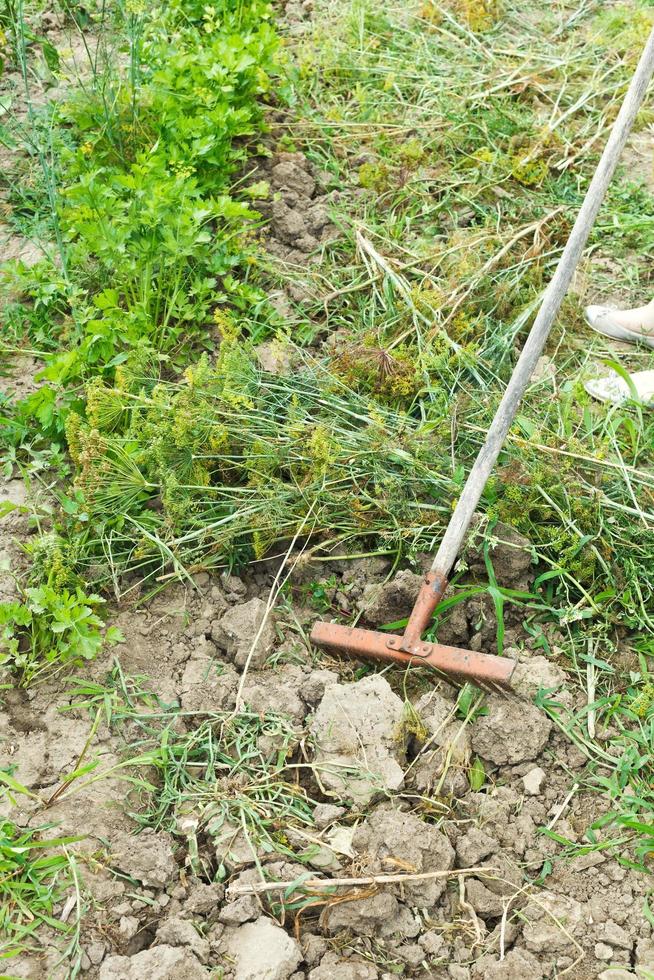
{"x":398,"y":800}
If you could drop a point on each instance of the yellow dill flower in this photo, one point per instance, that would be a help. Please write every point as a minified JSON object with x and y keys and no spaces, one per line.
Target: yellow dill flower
{"x":528,"y":171}
{"x":228,"y":327}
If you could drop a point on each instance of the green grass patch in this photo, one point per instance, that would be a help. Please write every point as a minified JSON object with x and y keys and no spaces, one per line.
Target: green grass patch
{"x":36,"y":876}
{"x":229,"y":777}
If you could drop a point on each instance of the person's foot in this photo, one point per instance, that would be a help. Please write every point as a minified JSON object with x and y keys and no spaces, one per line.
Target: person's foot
{"x":632,"y":326}
{"x":640,"y":319}
{"x":616,"y":389}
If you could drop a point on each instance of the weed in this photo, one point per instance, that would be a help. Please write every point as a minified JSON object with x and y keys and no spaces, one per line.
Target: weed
{"x":320,"y":594}
{"x":150,"y":239}
{"x":392,"y":376}
{"x":36,"y":873}
{"x":411,"y":726}
{"x":479,"y":15}
{"x":219,"y":775}
{"x":50,"y":627}
{"x":226,"y":777}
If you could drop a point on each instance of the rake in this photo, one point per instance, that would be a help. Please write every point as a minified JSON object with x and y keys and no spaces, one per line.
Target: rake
{"x":487,"y":670}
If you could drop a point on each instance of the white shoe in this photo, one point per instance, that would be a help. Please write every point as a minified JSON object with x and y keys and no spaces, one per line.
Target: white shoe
{"x":615,"y":389}
{"x":601,"y":319}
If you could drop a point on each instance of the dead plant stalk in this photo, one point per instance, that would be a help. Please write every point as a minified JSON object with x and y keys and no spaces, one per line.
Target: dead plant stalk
{"x":325,"y":883}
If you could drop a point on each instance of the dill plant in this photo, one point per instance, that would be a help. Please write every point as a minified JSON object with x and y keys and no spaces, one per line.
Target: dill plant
{"x":224,"y":465}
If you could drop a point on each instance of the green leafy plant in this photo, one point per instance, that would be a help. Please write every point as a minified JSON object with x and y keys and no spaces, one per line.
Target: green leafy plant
{"x":50,"y":628}
{"x":319,"y":594}
{"x":150,"y":234}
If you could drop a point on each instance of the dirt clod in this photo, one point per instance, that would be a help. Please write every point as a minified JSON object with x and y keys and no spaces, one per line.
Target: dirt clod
{"x":535,"y":674}
{"x":181,"y":932}
{"x":277,"y":691}
{"x":615,"y":935}
{"x":512,"y":731}
{"x":313,"y":686}
{"x":204,"y":899}
{"x":240,"y":627}
{"x":291,"y":175}
{"x":387,"y":601}
{"x":208,"y":684}
{"x":533,"y":781}
{"x":645,"y":955}
{"x":391,"y":839}
{"x":326,"y":813}
{"x":473,"y":847}
{"x":511,"y":555}
{"x":242,"y":909}
{"x":158,"y":963}
{"x":333,"y":967}
{"x":379,"y":915}
{"x":147,"y":857}
{"x":261,"y":950}
{"x":518,"y":964}
{"x":551,"y":922}
{"x":298,"y":217}
{"x":486,"y":903}
{"x":359,"y":742}
{"x":95,"y":952}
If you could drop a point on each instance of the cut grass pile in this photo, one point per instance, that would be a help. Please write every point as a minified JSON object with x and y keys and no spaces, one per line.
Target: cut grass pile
{"x":223,"y":466}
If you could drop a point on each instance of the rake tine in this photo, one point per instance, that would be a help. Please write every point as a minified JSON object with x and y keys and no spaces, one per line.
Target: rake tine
{"x":489,"y":687}
{"x":503,"y":692}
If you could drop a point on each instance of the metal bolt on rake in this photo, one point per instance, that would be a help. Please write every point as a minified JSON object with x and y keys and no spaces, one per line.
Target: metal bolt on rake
{"x":487,"y":670}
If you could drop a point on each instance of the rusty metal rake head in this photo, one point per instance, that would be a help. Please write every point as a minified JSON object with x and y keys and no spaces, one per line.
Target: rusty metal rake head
{"x":485,"y":670}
